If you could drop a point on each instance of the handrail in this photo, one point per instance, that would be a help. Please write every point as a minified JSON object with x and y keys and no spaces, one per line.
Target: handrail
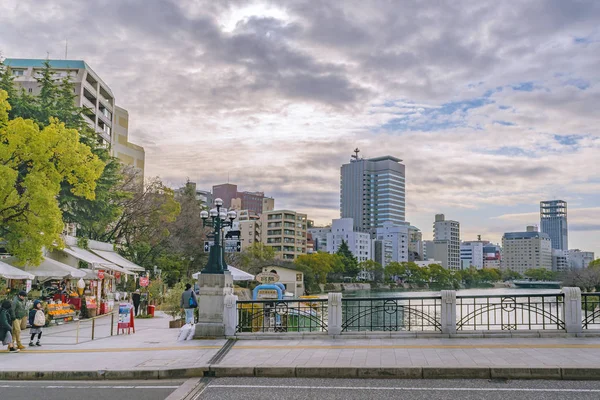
{"x":493,"y":296}
{"x":282,"y":301}
{"x":392,"y":298}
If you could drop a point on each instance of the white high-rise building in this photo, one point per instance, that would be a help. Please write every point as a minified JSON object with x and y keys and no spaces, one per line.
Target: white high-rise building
{"x":359,"y":243}
{"x":580,"y":259}
{"x":446,"y":239}
{"x":526,"y":250}
{"x":472,"y":253}
{"x":319,"y":237}
{"x":397,"y":237}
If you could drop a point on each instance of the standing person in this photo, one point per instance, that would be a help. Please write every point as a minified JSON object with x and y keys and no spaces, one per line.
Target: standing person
{"x":37,"y":320}
{"x":189,"y":302}
{"x":136,"y":298}
{"x":18,"y":307}
{"x":6,"y":327}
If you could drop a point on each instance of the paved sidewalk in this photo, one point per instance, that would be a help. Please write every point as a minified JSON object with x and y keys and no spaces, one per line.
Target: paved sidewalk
{"x":153,"y":352}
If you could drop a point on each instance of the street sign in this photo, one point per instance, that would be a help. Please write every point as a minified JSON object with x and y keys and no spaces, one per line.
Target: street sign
{"x":231,"y":246}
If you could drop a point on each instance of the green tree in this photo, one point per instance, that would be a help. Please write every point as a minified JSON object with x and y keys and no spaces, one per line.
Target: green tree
{"x":595,"y":263}
{"x":373,"y":267}
{"x":33,"y":164}
{"x":255,"y":256}
{"x":350,"y":262}
{"x":540,"y":274}
{"x":316,"y":267}
{"x":395,"y":270}
{"x":510,"y":275}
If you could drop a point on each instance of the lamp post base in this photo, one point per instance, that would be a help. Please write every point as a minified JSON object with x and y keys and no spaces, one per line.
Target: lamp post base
{"x":211,"y":304}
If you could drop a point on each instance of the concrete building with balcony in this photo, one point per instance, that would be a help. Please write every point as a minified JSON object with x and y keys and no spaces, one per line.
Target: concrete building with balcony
{"x":397,"y":237}
{"x":372,"y":191}
{"x":128,"y":153}
{"x":284,"y":231}
{"x":580,"y":259}
{"x":526,"y":250}
{"x":446,"y":242}
{"x":342,"y":230}
{"x":416,"y":245}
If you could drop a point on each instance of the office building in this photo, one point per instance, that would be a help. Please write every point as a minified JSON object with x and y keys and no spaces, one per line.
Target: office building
{"x":225,"y":192}
{"x":580,"y":259}
{"x":373,"y":192}
{"x":319,"y":237}
{"x":472,"y":253}
{"x":560,"y":260}
{"x":526,"y":250}
{"x":446,"y":242}
{"x":553,"y":221}
{"x":492,"y":256}
{"x":397,"y":237}
{"x":359,"y":243}
{"x":382,"y":251}
{"x":285,"y":232}
{"x":416,"y":249}
{"x":94,"y":96}
{"x":254,"y":202}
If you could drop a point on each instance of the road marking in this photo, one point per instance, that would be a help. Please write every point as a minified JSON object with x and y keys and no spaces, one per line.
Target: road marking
{"x":454,"y":389}
{"x":87,"y":387}
{"x":426,"y":346}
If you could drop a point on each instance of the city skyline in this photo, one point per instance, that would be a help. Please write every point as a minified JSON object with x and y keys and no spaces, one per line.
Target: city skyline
{"x":288,"y":91}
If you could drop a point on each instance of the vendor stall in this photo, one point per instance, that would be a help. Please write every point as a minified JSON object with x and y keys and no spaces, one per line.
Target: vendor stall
{"x":15,"y":278}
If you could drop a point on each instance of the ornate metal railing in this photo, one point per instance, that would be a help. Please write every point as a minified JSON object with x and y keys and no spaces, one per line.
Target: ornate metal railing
{"x":392,"y":314}
{"x":508,"y":313}
{"x":590,"y":309}
{"x":298,"y":315}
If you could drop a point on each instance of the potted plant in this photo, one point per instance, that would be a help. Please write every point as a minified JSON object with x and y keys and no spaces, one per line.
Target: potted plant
{"x":172,"y":305}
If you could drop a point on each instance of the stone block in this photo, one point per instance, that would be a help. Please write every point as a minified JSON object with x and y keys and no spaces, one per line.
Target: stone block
{"x":326,"y":372}
{"x":545,"y":373}
{"x":275,"y":372}
{"x":235,"y":372}
{"x":577,"y":373}
{"x":26,"y":375}
{"x":182,"y":373}
{"x":456,"y":373}
{"x":510,"y":373}
{"x":131,"y":374}
{"x":77,"y":375}
{"x":391,"y":372}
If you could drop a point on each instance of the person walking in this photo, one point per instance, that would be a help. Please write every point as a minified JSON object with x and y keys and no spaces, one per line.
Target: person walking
{"x":6,"y":326}
{"x":136,"y":298}
{"x":20,"y":318}
{"x":37,"y":320}
{"x":189,"y":302}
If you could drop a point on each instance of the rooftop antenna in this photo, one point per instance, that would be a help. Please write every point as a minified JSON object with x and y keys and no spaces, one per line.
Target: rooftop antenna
{"x":355,"y":156}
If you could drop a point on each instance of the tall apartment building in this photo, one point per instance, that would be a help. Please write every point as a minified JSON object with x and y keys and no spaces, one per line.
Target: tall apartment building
{"x":446,"y":240}
{"x":359,"y":243}
{"x":250,"y":232}
{"x":255,"y":202}
{"x":382,"y":251}
{"x":100,"y":112}
{"x":397,"y":237}
{"x":526,"y":250}
{"x":580,"y":259}
{"x":373,"y":192}
{"x":472,"y":253}
{"x":416,"y":246}
{"x":553,"y":221}
{"x":285,"y":232}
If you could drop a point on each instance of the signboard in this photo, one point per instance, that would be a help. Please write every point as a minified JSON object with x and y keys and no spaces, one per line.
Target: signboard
{"x":144,"y":281}
{"x":126,"y":319}
{"x":90,"y":302}
{"x":117,"y":274}
{"x":267,"y":277}
{"x":28,"y":285}
{"x":267,"y":294}
{"x":231,"y":246}
{"x":100,"y":274}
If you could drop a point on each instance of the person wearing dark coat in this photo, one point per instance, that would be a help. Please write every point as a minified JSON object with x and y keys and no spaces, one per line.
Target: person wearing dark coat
{"x":136,"y":298}
{"x":6,"y":326}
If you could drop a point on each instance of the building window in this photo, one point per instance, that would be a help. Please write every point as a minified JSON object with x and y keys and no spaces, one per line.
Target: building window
{"x":30,"y":90}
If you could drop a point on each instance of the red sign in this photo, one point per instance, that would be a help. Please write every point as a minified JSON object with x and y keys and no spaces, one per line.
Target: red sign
{"x":117,"y":274}
{"x":100,"y":274}
{"x":144,"y":281}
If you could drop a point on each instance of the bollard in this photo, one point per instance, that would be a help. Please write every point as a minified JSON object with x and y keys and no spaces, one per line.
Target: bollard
{"x":93,"y":327}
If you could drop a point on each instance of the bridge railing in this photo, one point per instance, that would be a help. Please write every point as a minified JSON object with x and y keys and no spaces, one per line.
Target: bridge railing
{"x":569,"y":311}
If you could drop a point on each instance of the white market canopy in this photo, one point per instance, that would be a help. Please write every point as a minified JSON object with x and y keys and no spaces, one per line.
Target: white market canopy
{"x":236,"y":274}
{"x":9,"y":272}
{"x":116,"y":258}
{"x":49,"y":268}
{"x":94,"y":261}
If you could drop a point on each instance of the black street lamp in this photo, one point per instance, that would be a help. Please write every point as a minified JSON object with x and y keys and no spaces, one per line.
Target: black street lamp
{"x":218,"y":220}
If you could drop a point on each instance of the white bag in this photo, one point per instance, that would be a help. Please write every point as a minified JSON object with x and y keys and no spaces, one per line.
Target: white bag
{"x":40,"y":319}
{"x":190,"y":335}
{"x":184,"y":332}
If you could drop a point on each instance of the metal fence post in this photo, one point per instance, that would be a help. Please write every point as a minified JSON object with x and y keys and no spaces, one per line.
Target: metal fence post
{"x":334,"y":312}
{"x":93,"y":327}
{"x":572,"y":309}
{"x":448,"y":319}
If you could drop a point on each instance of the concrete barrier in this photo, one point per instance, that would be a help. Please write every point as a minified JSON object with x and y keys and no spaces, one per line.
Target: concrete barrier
{"x":126,"y":375}
{"x":591,"y":373}
{"x":196,"y":372}
{"x":456,"y":373}
{"x":391,"y":372}
{"x":326,"y":372}
{"x":275,"y":372}
{"x":222,"y":371}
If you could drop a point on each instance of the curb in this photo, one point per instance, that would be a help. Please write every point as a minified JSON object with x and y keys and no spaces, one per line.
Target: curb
{"x":219,"y":371}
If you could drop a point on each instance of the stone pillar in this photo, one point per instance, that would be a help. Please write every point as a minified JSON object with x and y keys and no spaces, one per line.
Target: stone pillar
{"x":448,"y":317}
{"x":211,"y":304}
{"x":572,"y":310}
{"x":230,"y":315}
{"x":334,"y":305}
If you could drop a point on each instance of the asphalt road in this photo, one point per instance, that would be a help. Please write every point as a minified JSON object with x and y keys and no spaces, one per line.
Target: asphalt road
{"x":106,"y":390}
{"x":346,"y":389}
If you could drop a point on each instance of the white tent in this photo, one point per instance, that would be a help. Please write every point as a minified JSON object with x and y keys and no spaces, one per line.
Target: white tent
{"x":9,"y":272}
{"x":94,"y":261}
{"x":236,"y":274}
{"x":116,"y":258}
{"x":49,"y":268}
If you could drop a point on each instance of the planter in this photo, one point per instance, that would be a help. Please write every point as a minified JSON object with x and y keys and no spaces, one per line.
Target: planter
{"x":178,"y":323}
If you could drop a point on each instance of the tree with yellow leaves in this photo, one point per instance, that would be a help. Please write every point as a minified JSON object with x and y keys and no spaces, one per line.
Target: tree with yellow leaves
{"x":34,"y":162}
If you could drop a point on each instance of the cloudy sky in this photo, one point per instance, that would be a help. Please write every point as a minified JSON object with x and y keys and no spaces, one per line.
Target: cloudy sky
{"x":493,"y":106}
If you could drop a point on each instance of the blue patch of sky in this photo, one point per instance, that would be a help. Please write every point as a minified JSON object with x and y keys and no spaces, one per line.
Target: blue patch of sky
{"x":505,"y":123}
{"x":524,"y":86}
{"x":578,"y":83}
{"x":568,"y":140}
{"x":504,"y":107}
{"x":509,"y":151}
